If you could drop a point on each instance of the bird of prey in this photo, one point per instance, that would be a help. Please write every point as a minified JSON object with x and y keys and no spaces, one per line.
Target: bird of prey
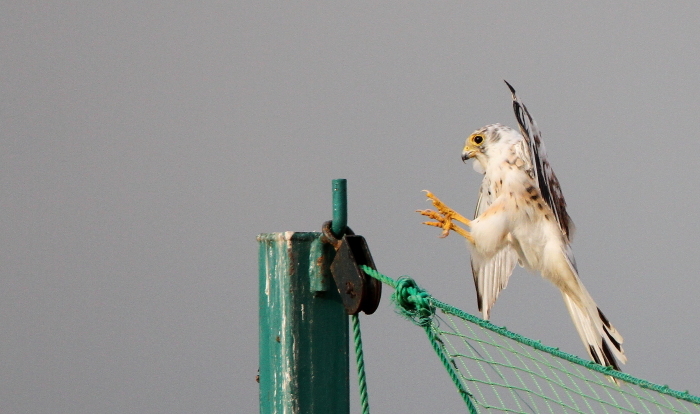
{"x":521,"y":218}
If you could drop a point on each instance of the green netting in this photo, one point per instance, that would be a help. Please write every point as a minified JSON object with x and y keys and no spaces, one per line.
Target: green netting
{"x":496,"y":370}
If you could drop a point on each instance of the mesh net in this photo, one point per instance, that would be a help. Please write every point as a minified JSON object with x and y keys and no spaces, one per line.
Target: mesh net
{"x":496,"y":370}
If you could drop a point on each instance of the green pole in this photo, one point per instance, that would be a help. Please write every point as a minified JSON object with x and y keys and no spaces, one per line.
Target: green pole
{"x":340,"y":207}
{"x":304,"y":335}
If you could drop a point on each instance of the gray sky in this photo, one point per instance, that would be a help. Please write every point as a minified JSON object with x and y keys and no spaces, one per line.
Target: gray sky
{"x":145,"y":145}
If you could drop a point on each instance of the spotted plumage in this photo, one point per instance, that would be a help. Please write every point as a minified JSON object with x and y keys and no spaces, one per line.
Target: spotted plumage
{"x":521,"y":218}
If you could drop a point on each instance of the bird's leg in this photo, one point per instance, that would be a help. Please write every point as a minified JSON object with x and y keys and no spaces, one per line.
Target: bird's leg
{"x":444,"y":217}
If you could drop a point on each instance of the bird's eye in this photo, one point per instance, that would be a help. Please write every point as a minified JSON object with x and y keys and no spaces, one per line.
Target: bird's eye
{"x":478,"y":139}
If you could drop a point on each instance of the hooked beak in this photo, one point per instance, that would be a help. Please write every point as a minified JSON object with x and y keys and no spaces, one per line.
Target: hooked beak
{"x":466,"y":155}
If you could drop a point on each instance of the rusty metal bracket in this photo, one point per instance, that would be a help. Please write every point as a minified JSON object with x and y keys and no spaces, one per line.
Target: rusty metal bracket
{"x":359,"y":291}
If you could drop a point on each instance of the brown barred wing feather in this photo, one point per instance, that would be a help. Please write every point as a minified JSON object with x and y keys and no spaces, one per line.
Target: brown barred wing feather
{"x":545,"y":177}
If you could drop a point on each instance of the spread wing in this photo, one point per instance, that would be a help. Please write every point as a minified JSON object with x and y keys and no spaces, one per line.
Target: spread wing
{"x":491,"y":276}
{"x":544,"y":175}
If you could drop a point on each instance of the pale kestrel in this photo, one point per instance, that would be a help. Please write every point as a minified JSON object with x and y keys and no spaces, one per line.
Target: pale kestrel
{"x":521,"y":218}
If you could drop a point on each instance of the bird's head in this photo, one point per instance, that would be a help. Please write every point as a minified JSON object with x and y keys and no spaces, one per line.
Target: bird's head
{"x":487,"y":141}
{"x":474,"y":147}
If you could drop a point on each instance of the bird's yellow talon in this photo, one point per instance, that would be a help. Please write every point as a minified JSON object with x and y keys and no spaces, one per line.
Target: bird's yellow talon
{"x":443,"y":218}
{"x":514,"y":177}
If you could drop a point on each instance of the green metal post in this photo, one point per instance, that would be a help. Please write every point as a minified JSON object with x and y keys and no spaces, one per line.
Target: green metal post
{"x":340,"y":207}
{"x":304,"y":335}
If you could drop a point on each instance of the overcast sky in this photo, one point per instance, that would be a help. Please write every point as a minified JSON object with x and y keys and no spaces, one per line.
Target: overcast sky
{"x":144,"y":145}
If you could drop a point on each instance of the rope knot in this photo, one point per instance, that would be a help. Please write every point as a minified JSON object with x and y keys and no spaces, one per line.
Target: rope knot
{"x":414,"y":303}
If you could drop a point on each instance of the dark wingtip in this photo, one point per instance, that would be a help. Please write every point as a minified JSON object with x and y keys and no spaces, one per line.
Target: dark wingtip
{"x":512,"y":90}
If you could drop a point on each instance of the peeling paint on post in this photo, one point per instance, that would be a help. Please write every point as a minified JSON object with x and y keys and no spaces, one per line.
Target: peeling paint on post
{"x":303,"y":331}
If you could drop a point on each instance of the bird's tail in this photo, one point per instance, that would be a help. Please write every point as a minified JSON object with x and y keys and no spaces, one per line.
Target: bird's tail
{"x":602,"y":341}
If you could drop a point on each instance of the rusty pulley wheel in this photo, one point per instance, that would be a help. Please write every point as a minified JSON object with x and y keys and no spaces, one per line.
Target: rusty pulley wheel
{"x":358,"y":290}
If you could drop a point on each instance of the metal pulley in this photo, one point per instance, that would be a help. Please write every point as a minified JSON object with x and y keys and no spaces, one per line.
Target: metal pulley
{"x":359,"y":291}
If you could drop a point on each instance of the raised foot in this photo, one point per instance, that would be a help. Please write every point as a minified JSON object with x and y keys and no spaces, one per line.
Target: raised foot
{"x":444,"y":217}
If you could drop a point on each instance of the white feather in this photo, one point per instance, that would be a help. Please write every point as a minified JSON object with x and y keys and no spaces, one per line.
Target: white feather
{"x":478,"y":167}
{"x":521,"y":216}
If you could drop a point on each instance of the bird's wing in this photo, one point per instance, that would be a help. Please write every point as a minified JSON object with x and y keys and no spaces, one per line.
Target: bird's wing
{"x":601,"y":339}
{"x":544,"y":175}
{"x":490,"y":276}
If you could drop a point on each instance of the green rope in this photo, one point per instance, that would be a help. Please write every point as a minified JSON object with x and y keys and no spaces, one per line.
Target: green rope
{"x":415,"y":304}
{"x":569,"y":386}
{"x":664,"y":389}
{"x":438,"y":347}
{"x":359,"y":355}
